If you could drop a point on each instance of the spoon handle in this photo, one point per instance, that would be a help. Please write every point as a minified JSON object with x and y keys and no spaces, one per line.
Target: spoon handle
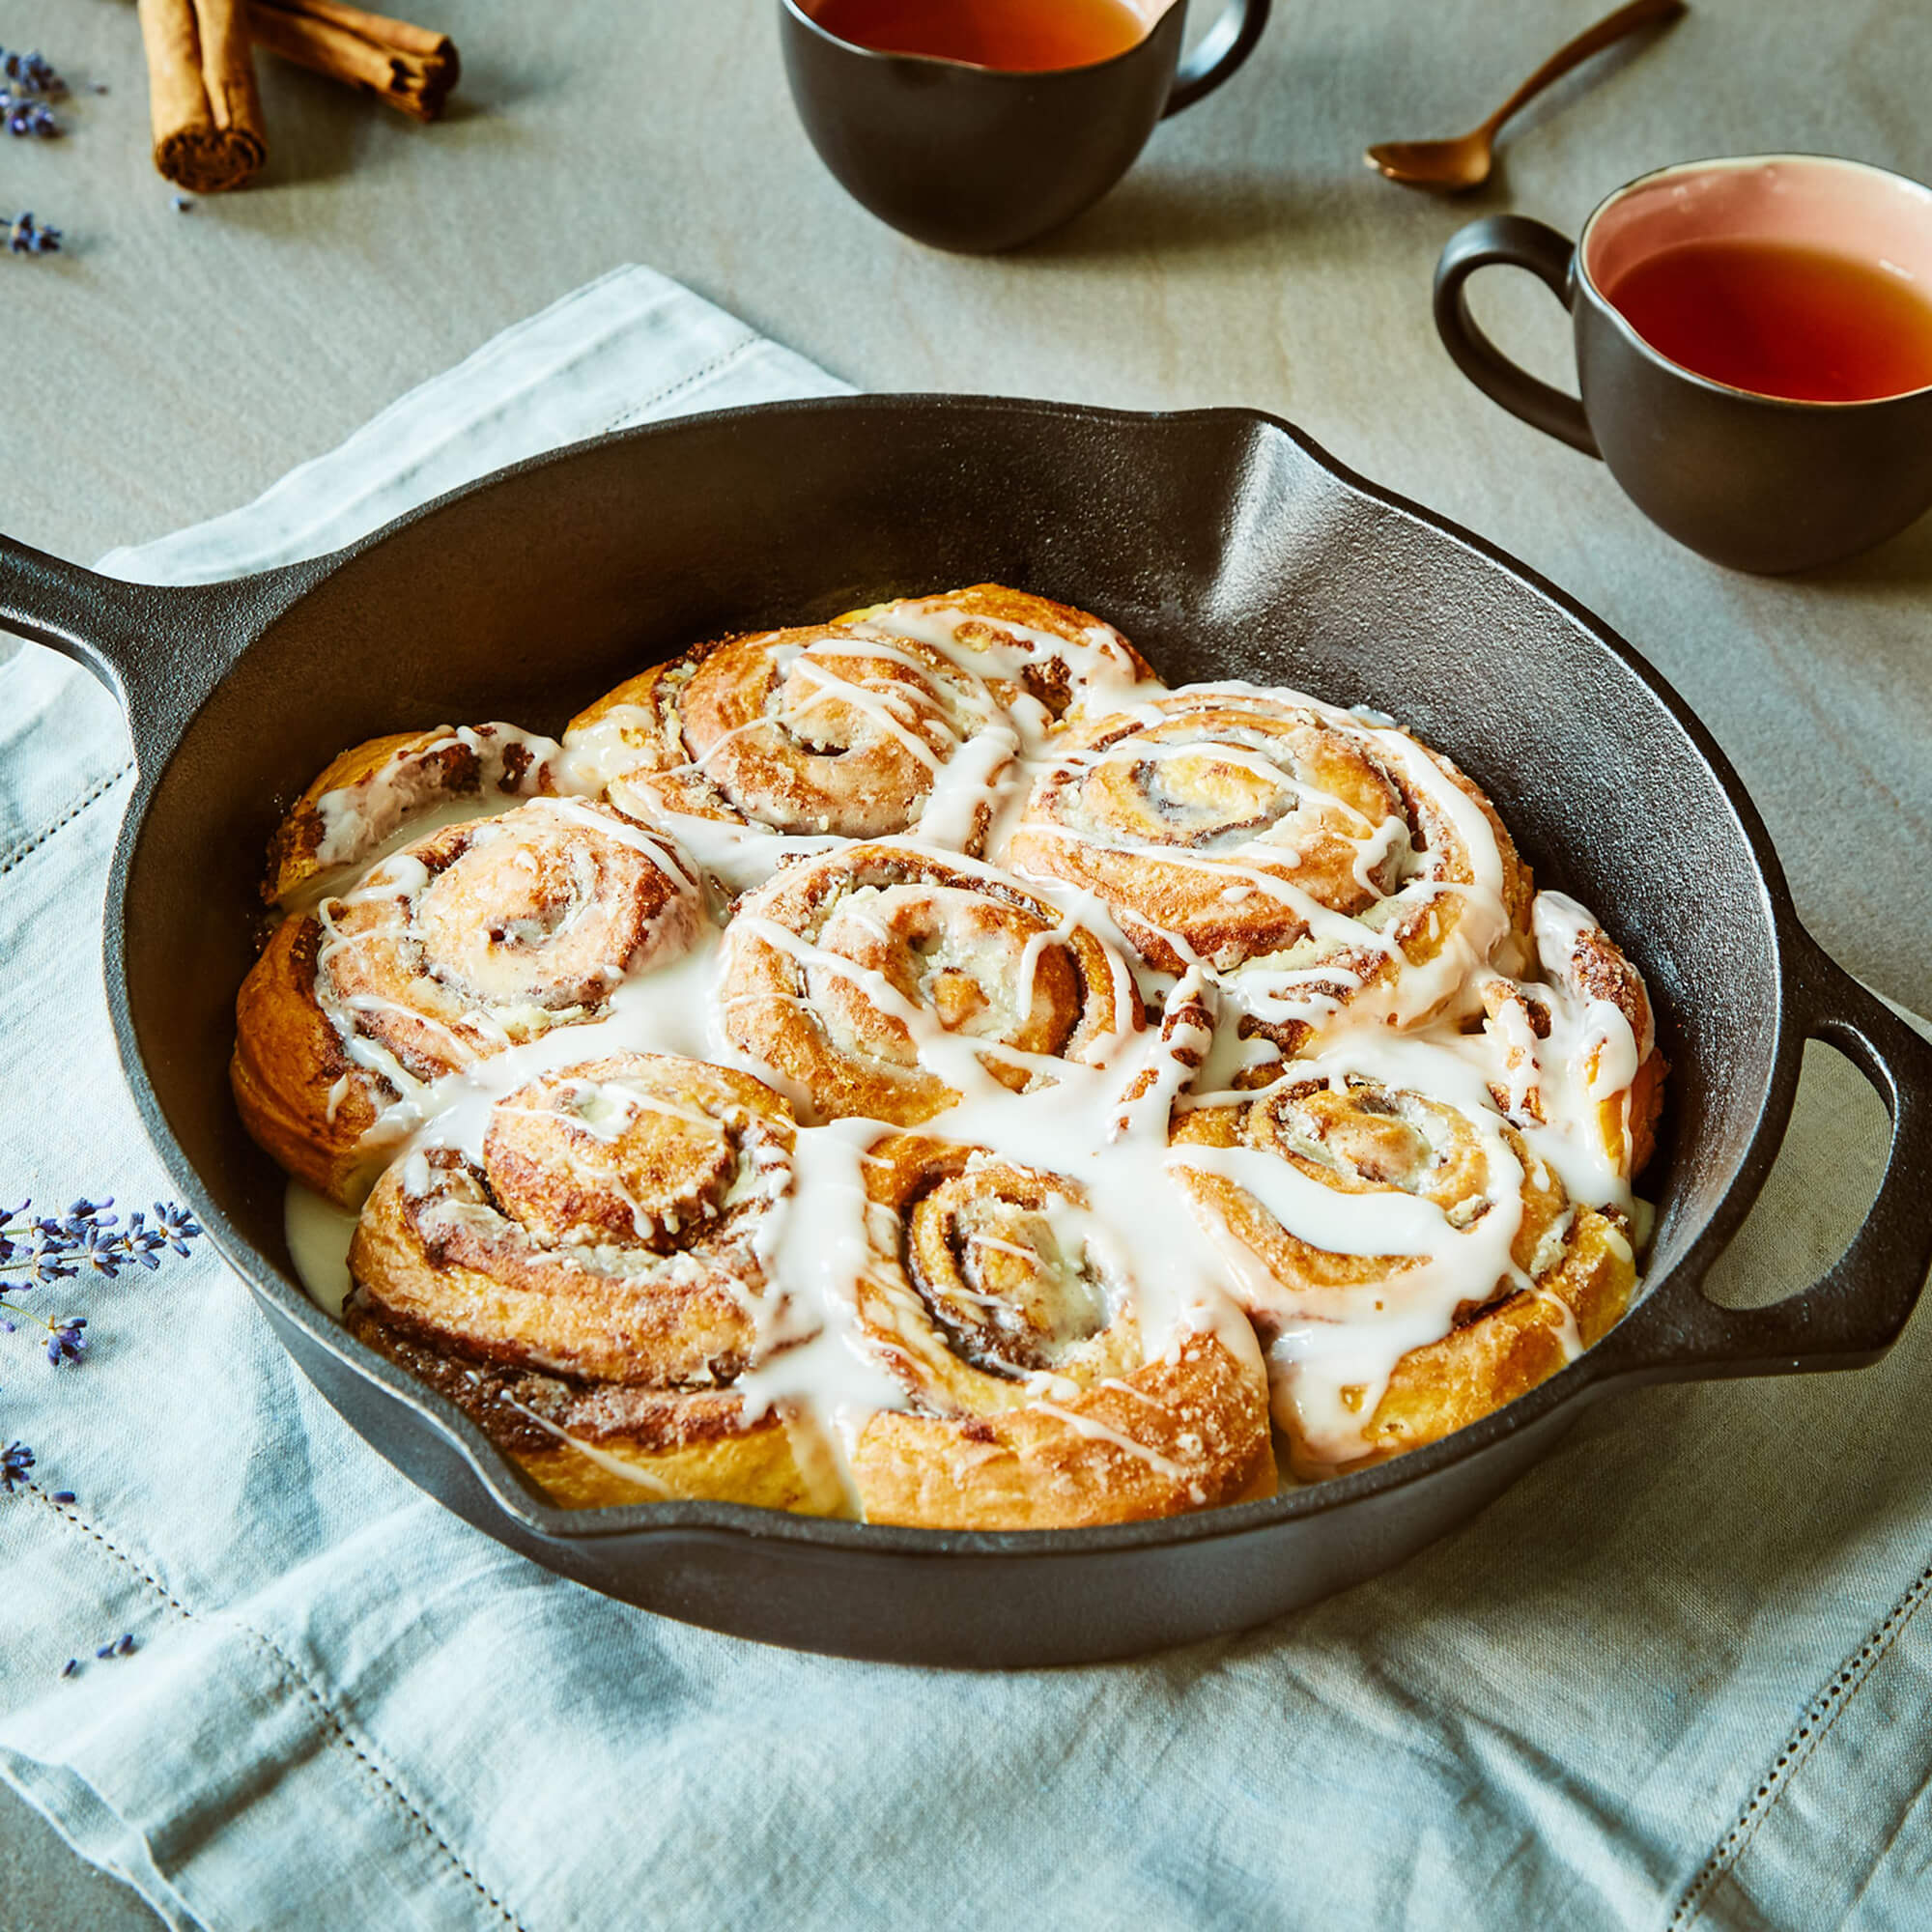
{"x":1591,"y":40}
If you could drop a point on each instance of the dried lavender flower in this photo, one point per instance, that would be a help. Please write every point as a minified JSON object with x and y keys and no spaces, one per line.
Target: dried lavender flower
{"x":60,"y":1497}
{"x":70,"y":1666}
{"x":65,"y":1341}
{"x":24,"y":237}
{"x":15,"y":1460}
{"x":30,"y":73}
{"x":27,"y":117}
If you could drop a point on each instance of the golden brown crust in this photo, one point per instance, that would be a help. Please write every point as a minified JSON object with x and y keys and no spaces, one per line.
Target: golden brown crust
{"x":374,"y":786}
{"x":608,"y":1230}
{"x":1037,"y":1400}
{"x":301,"y":1097}
{"x":814,"y":730}
{"x":1231,"y":827}
{"x":475,"y":937}
{"x":1364,"y":1140}
{"x":1535,"y":1025}
{"x":592,"y":1447}
{"x":590,"y":1289}
{"x":1064,"y":659}
{"x":1627,"y":1122}
{"x":824,"y":965}
{"x":1504,"y":1353}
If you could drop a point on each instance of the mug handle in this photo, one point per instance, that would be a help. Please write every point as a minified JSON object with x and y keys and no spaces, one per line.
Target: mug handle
{"x":1519,"y":242}
{"x":1223,"y":47}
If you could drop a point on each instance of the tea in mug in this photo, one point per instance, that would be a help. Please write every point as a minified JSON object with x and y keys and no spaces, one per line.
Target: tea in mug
{"x":1781,"y":320}
{"x":1020,"y":35}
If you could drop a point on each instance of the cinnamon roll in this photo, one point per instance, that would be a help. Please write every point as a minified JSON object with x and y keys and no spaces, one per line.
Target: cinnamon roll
{"x":1407,"y":1261}
{"x":886,"y":981}
{"x":820,"y":733}
{"x":1040,"y":1397}
{"x":476,"y":938}
{"x":1327,"y":860}
{"x":1044,"y":660}
{"x":588,"y":1284}
{"x":367,"y":794}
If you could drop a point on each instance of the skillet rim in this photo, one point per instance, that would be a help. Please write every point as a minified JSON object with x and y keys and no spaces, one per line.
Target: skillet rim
{"x":1594,"y":1372}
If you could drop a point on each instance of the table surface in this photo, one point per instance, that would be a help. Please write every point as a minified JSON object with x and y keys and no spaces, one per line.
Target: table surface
{"x":171,"y":364}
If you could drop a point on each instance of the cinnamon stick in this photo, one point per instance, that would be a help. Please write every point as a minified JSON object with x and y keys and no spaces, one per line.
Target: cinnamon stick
{"x":410,"y":66}
{"x":208,"y":133}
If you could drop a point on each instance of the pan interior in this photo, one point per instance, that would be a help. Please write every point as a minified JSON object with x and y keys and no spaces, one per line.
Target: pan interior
{"x":1216,"y":542}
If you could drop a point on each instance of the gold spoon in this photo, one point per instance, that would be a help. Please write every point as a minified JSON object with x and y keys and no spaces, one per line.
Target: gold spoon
{"x":1449,"y":167}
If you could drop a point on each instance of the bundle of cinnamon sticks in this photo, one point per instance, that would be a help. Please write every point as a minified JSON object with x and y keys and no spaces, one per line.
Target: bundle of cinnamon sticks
{"x":209,"y":131}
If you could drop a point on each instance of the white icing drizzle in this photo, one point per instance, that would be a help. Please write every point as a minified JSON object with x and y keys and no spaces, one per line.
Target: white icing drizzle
{"x":1102,"y":1122}
{"x":615,"y":1466}
{"x":403,"y":797}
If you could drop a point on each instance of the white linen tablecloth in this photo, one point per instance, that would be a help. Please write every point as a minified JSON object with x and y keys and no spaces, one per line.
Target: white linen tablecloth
{"x":1678,"y":1675}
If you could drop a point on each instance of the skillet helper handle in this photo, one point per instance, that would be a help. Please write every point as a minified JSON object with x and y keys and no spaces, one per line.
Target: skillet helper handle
{"x":1516,"y":241}
{"x":1225,"y":45}
{"x":1853,"y":1313}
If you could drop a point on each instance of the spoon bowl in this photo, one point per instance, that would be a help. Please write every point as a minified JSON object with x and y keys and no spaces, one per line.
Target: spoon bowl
{"x":1449,"y":166}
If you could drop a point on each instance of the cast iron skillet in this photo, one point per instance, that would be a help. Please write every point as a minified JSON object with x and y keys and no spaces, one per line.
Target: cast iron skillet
{"x":1224,"y":543}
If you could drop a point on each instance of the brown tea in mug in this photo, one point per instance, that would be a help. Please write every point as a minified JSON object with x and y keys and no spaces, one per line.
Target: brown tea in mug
{"x":1779,"y":319}
{"x":1021,"y":36}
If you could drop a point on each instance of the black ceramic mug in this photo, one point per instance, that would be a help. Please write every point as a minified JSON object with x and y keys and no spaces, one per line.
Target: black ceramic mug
{"x":1754,"y":481}
{"x":978,"y":158}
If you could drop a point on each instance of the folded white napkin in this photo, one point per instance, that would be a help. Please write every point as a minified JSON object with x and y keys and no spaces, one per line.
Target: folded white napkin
{"x":629,"y":348}
{"x":1680,"y":1669}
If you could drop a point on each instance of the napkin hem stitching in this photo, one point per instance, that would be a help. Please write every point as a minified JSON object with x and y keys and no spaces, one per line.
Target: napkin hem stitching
{"x":632,"y":413}
{"x":99,"y":790}
{"x":296,"y":1678}
{"x":1823,"y":1713}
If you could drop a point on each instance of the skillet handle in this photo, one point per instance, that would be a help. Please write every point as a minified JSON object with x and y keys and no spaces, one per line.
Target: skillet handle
{"x":1854,"y":1311}
{"x":160,"y":649}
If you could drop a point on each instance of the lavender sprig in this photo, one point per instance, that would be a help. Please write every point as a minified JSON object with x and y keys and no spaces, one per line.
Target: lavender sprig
{"x":86,"y":1239}
{"x":27,"y":83}
{"x":15,"y":1460}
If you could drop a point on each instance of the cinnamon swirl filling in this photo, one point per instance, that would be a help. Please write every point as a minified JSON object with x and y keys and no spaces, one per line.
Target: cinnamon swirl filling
{"x":886,"y":981}
{"x":819,"y":731}
{"x":475,"y":939}
{"x":1286,"y":846}
{"x":594,"y":1274}
{"x":1407,"y":1261}
{"x":1009,"y":1313}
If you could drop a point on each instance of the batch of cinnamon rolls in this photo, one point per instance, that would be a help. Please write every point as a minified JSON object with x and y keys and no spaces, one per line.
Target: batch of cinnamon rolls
{"x":922,"y":1068}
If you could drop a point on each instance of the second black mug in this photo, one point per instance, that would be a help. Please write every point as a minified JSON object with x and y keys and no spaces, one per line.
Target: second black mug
{"x":978,"y":158}
{"x":1759,"y":482}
